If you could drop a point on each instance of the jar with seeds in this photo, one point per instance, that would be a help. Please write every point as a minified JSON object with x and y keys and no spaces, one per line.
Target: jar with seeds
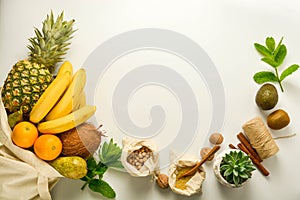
{"x":139,"y":157}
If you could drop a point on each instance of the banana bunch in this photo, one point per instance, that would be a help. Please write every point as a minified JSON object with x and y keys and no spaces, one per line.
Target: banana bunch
{"x":63,"y":104}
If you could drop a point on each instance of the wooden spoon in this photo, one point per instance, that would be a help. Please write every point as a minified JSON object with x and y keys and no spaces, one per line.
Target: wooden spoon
{"x":204,"y":159}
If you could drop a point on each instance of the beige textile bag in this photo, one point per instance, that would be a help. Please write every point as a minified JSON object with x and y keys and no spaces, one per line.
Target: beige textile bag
{"x":22,"y":174}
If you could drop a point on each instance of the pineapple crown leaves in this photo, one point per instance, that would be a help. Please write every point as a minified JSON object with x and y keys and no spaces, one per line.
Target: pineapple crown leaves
{"x":50,"y":45}
{"x":236,"y":167}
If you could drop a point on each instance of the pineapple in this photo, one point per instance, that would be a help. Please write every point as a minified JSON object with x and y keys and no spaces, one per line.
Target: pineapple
{"x":29,"y":78}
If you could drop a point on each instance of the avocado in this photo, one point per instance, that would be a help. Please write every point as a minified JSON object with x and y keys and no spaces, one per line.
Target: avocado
{"x":266,"y":97}
{"x":73,"y":167}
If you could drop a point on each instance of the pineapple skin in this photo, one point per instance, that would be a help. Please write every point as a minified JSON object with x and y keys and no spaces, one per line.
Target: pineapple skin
{"x":24,"y":85}
{"x":29,"y":78}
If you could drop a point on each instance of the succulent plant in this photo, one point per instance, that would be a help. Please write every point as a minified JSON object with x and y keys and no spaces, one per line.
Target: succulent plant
{"x":236,"y":167}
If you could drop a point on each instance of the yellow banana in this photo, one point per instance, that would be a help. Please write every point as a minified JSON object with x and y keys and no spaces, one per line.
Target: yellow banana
{"x":67,"y":122}
{"x":82,"y":101}
{"x":70,"y":98}
{"x":66,"y":66}
{"x":50,"y":96}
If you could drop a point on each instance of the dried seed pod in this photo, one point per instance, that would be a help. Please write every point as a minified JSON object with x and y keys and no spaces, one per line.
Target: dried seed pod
{"x":216,"y":138}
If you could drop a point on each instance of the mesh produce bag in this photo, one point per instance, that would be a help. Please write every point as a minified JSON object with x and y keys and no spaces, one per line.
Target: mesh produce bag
{"x":22,"y":174}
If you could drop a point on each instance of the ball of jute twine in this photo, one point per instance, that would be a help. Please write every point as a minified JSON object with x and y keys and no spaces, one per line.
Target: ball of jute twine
{"x":260,"y":138}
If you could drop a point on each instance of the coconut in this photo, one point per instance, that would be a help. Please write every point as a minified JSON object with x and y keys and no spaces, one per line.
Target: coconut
{"x":81,"y":141}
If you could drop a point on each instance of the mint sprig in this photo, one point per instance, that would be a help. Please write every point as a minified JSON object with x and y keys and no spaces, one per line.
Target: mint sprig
{"x":274,"y":56}
{"x":109,"y":155}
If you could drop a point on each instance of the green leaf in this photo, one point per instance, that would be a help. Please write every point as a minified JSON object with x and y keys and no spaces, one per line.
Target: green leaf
{"x":90,"y":174}
{"x":85,"y":179}
{"x":224,"y":167}
{"x":264,"y":76}
{"x":288,"y":71}
{"x":115,"y":155}
{"x":115,"y":164}
{"x":279,"y":57}
{"x":91,"y":163}
{"x":277,"y":48}
{"x":228,"y":172}
{"x":235,"y":173}
{"x":102,"y":187}
{"x":270,"y":61}
{"x":100,"y":169}
{"x":104,"y":148}
{"x":243,"y":175}
{"x":110,"y":153}
{"x":270,"y":42}
{"x":236,"y":180}
{"x":262,"y":50}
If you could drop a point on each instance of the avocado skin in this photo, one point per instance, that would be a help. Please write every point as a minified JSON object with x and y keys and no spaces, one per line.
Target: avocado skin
{"x":266,"y":97}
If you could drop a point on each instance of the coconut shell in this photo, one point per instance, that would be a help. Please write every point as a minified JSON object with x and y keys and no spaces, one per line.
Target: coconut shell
{"x":81,"y":141}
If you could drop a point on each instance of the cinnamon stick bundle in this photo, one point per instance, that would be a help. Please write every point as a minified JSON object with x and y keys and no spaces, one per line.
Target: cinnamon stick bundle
{"x":259,"y":166}
{"x":242,"y":138}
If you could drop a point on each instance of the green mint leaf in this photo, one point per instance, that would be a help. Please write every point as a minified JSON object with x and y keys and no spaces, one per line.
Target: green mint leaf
{"x":85,"y":179}
{"x":89,"y":175}
{"x":288,"y":71}
{"x":270,"y":62}
{"x":102,"y":187}
{"x":262,"y":50}
{"x":264,"y":76}
{"x":278,"y":46}
{"x":279,"y":57}
{"x":91,"y":163}
{"x":270,"y":43}
{"x":100,"y":169}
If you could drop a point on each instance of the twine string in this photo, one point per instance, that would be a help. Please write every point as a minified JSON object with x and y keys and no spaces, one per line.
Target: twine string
{"x":260,"y":138}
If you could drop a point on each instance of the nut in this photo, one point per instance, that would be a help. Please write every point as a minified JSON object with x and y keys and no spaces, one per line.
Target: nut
{"x":138,"y":157}
{"x":162,"y":181}
{"x":216,"y":138}
{"x":205,"y":151}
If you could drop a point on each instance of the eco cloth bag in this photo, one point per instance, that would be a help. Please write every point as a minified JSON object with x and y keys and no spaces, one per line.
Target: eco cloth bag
{"x":22,"y":174}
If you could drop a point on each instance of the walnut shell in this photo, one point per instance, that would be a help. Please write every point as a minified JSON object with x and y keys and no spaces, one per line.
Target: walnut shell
{"x":162,"y":181}
{"x":81,"y":141}
{"x":216,"y":138}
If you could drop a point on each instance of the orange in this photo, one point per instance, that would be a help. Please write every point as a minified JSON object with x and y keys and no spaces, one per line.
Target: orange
{"x":24,"y":134}
{"x":47,"y":147}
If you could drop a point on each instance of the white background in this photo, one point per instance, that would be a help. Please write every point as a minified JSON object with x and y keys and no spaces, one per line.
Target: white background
{"x":226,"y":30}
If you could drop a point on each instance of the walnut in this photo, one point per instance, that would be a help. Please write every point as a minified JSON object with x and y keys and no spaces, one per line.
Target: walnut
{"x":205,"y":151}
{"x":216,"y":138}
{"x":162,"y":181}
